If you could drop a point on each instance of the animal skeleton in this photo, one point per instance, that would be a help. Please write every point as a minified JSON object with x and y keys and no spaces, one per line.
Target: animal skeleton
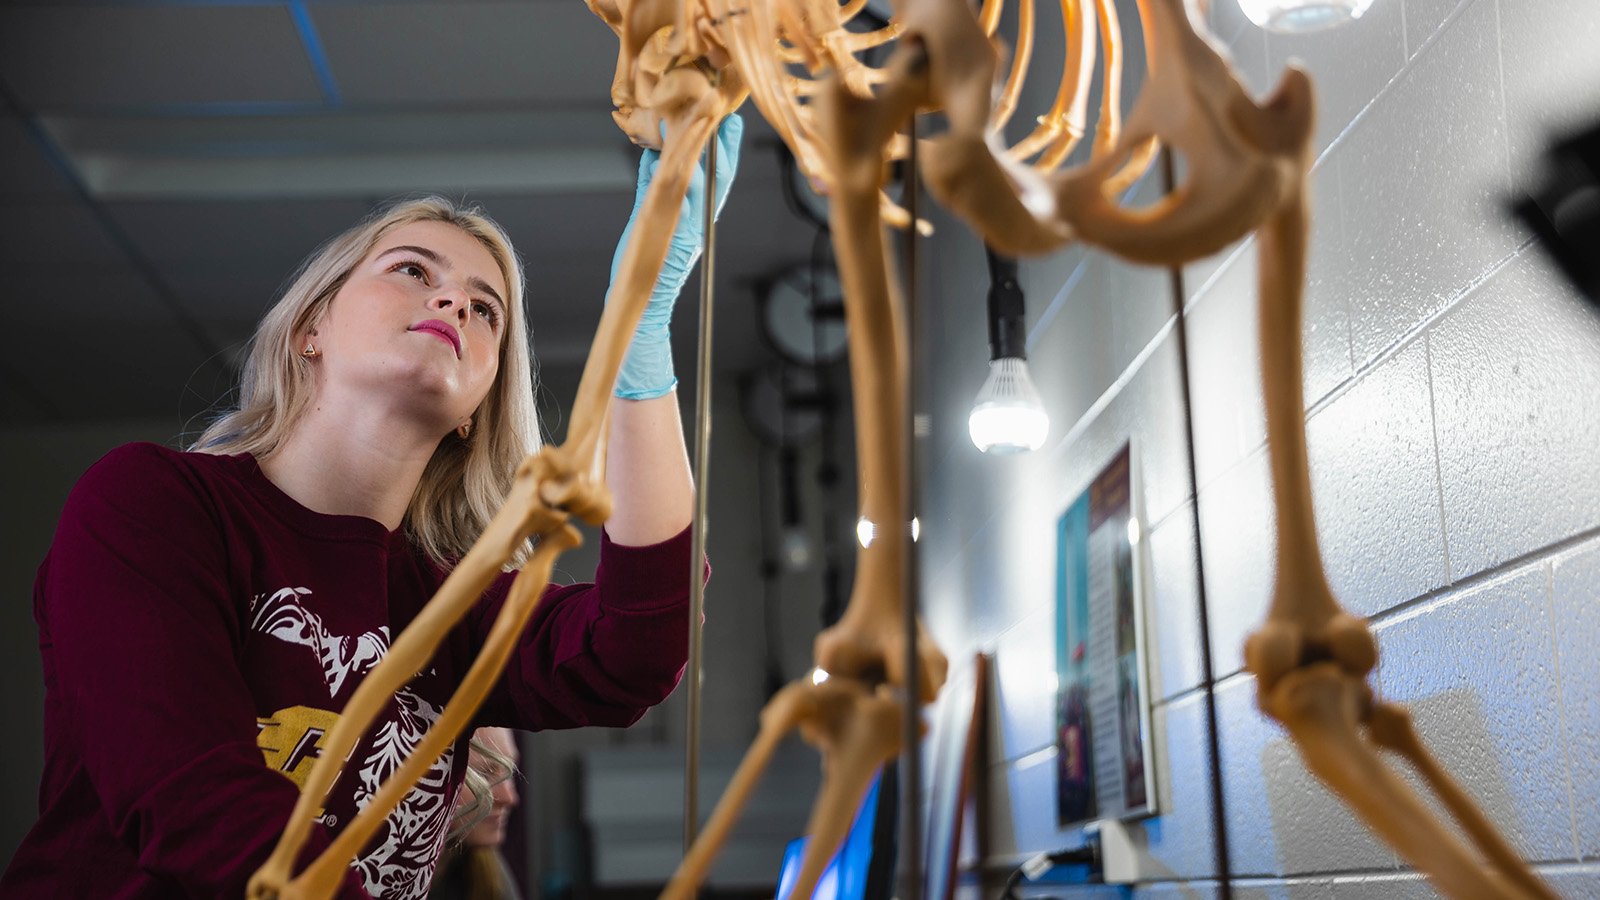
{"x":685,"y":64}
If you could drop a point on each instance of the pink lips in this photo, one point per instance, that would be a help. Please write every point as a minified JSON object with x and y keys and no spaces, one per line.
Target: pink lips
{"x":443,"y":329}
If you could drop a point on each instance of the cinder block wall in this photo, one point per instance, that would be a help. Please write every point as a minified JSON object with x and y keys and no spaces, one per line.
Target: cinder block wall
{"x":1453,"y":391}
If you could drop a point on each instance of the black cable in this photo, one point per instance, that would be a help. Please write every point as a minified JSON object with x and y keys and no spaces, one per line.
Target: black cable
{"x":1219,"y":819}
{"x":1087,"y":855}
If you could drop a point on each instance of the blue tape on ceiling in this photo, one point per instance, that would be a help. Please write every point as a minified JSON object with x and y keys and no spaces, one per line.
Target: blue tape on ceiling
{"x":314,"y":51}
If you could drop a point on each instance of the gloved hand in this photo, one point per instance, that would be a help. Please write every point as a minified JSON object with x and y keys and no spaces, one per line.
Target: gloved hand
{"x":647,"y":369}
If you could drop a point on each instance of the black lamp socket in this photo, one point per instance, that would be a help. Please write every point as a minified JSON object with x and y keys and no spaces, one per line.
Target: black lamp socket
{"x":1008,"y":334}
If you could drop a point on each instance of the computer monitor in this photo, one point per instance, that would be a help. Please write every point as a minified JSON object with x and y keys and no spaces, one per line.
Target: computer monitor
{"x":863,"y":869}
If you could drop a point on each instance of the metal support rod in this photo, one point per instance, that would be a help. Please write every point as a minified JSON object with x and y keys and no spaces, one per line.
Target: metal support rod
{"x":702,"y":491}
{"x":911,"y":770}
{"x":1219,"y":818}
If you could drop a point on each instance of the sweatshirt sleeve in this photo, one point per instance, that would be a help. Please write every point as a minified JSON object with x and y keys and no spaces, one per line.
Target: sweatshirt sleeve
{"x":140,"y":638}
{"x":601,"y":653}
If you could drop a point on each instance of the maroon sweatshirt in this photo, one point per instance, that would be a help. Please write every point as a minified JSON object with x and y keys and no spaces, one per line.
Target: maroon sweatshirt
{"x":201,"y":631}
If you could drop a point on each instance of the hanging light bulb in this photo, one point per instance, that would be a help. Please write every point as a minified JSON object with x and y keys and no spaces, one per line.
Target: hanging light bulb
{"x":1299,"y":16}
{"x":1007,"y":416}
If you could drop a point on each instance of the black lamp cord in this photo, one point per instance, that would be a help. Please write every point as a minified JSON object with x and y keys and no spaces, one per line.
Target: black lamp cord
{"x":1087,"y":855}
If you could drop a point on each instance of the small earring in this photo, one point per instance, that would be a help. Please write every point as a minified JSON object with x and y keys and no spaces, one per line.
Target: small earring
{"x":311,"y":351}
{"x":464,"y":429}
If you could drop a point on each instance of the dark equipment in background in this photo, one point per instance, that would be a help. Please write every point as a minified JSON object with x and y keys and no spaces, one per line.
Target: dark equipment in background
{"x":1563,"y":209}
{"x":802,"y":313}
{"x":802,"y":317}
{"x":863,"y":869}
{"x":784,"y":408}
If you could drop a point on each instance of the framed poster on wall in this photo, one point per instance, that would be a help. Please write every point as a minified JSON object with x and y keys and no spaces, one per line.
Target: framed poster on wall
{"x":1103,"y":767}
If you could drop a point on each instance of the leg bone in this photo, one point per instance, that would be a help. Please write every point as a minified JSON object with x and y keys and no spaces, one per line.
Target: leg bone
{"x":1322,"y":707}
{"x":1391,"y":728}
{"x":869,"y":640}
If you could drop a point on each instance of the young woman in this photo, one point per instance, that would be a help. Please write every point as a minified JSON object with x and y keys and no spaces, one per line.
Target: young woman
{"x":204,"y":616}
{"x":473,"y":867}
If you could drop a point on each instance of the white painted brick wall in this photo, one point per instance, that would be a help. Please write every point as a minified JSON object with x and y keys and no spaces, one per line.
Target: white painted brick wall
{"x":1577,"y":611}
{"x":1477,"y":671}
{"x":1453,"y":391}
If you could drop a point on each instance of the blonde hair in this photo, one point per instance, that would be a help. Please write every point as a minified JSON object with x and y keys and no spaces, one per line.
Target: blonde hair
{"x":486,"y":767}
{"x":466,"y":481}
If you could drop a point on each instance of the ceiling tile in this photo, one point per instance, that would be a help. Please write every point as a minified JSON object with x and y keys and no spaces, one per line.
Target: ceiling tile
{"x":17,"y":410}
{"x":563,"y":289}
{"x":361,"y":131}
{"x":588,"y":222}
{"x":409,"y":53}
{"x":229,"y":299}
{"x":139,"y":371}
{"x":268,"y":234}
{"x":104,"y":301}
{"x":94,"y":57}
{"x":24,"y":168}
{"x":21,"y":400}
{"x":86,"y":295}
{"x":54,"y":233}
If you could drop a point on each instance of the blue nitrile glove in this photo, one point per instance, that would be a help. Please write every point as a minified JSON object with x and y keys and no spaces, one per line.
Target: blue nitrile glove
{"x":647,"y":368}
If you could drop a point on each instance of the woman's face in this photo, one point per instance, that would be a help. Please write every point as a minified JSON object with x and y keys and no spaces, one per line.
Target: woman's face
{"x":491,"y":831}
{"x":420,"y":319}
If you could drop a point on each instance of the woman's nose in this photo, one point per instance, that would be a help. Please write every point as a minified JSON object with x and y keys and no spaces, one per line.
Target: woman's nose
{"x":505,"y":793}
{"x":452,"y":301}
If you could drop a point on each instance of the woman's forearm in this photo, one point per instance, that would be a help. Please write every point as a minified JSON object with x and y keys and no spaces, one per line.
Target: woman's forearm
{"x":647,"y":470}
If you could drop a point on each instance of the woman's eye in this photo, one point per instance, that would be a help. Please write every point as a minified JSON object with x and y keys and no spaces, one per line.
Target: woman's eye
{"x":412,"y":269}
{"x":487,"y":311}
